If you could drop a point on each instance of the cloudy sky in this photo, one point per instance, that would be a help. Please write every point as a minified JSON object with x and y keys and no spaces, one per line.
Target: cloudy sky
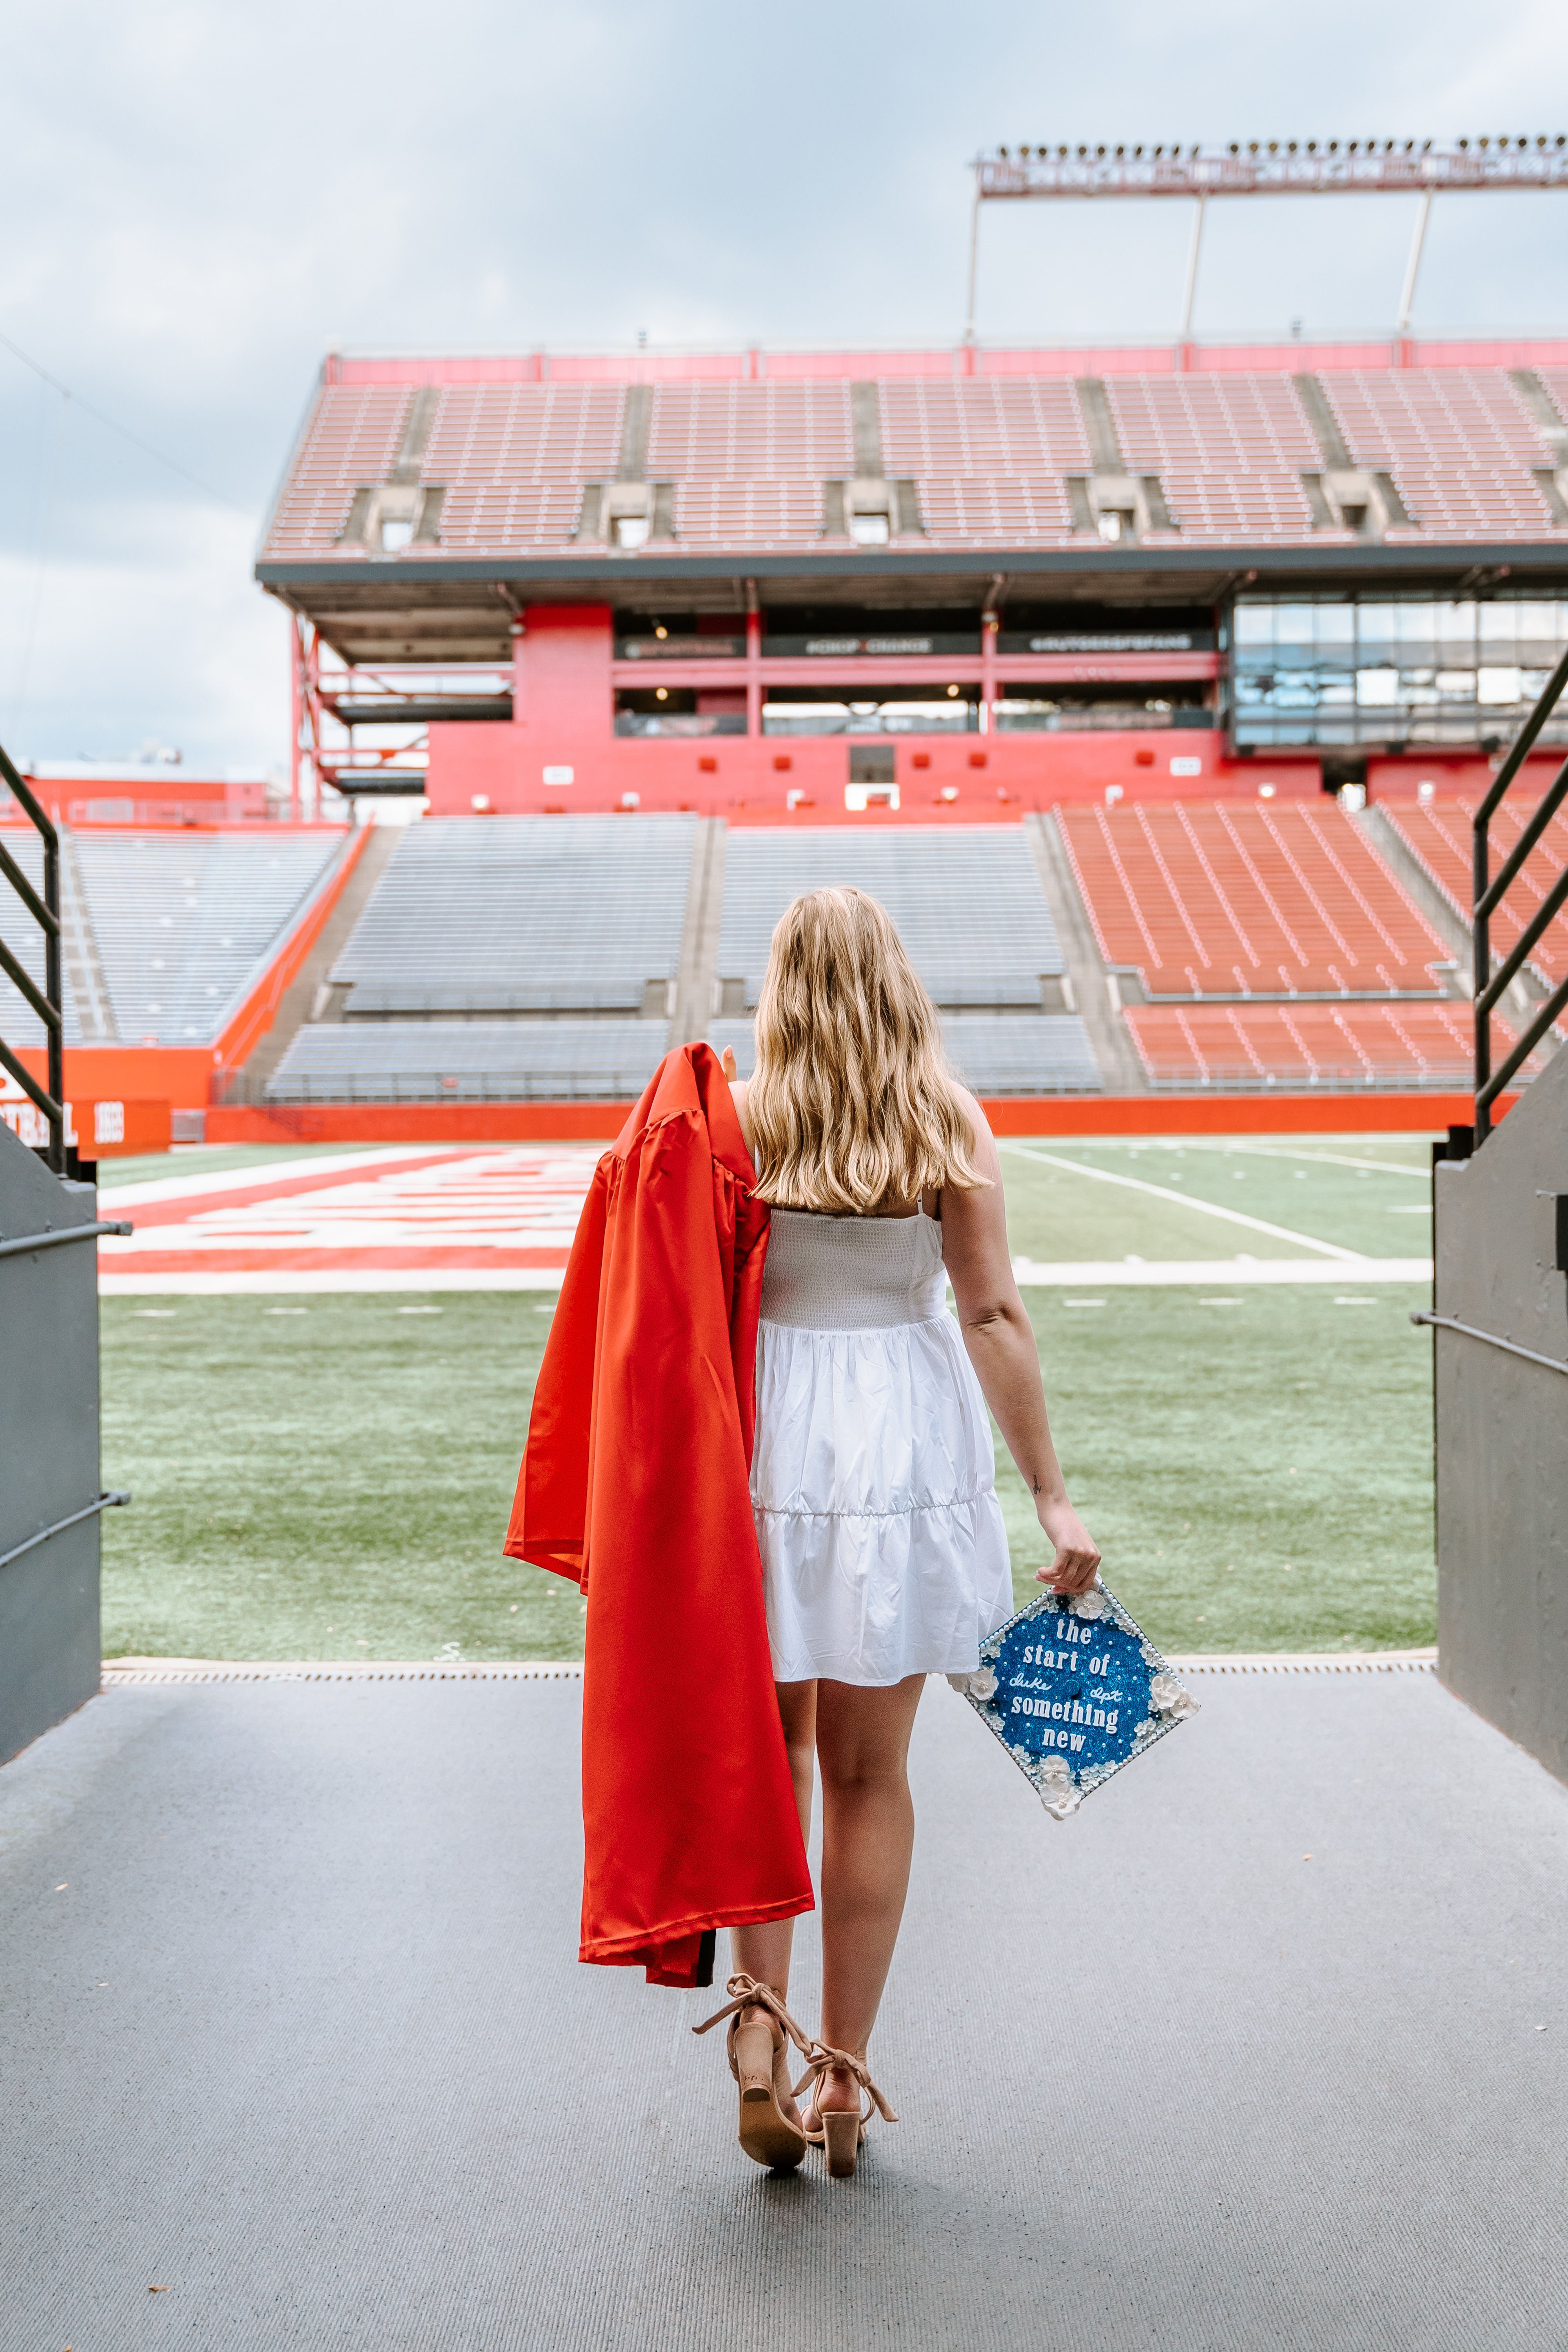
{"x":201,"y":198}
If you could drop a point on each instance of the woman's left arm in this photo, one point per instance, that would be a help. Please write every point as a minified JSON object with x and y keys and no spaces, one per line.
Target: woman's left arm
{"x":1001,"y":1343}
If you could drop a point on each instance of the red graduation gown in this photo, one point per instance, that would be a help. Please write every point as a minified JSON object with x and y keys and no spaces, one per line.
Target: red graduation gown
{"x":636,"y":1482}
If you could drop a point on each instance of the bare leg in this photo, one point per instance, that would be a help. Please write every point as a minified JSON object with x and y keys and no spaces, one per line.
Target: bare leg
{"x":867,"y":1836}
{"x":764,"y":1951}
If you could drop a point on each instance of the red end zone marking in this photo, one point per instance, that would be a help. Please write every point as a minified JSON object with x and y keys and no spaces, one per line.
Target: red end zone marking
{"x":487,"y":1210}
{"x":283,"y":1188}
{"x":335,"y":1261}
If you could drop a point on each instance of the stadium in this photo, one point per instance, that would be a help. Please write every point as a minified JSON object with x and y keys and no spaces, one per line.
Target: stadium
{"x":1154,"y":693}
{"x":1190,"y":666}
{"x":1195,"y":709}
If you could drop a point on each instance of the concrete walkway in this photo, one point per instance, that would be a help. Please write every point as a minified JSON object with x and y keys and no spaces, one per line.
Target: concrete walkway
{"x":292,"y":2027}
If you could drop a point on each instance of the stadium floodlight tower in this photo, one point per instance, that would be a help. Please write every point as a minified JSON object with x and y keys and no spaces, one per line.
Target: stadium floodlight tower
{"x":1266,"y":167}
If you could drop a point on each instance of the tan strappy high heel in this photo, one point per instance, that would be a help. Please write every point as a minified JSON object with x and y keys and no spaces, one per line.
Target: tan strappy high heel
{"x":767,"y":2134}
{"x":842,"y":2131}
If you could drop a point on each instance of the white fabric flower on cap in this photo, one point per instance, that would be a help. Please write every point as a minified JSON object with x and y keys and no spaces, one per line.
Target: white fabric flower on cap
{"x":1058,"y":1796}
{"x":1166,"y":1695}
{"x":1088,"y":1605}
{"x":981,"y":1684}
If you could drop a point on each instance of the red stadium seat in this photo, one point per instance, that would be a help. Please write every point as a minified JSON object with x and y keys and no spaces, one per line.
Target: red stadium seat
{"x":1237,"y":897}
{"x":1229,"y":450}
{"x":990,"y":455}
{"x":1291,"y":1046}
{"x":1439,"y":831}
{"x":1459,"y":442}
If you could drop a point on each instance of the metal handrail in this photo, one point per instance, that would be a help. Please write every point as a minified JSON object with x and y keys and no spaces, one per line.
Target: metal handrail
{"x":1488,"y":892}
{"x":111,"y":1501}
{"x":26,"y":1243}
{"x":50,"y":1004}
{"x":1473,"y":1332}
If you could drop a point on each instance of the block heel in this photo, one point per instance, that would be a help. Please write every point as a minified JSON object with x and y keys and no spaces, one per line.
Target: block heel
{"x":841,"y":2136}
{"x":755,"y":2042}
{"x":840,"y":2132}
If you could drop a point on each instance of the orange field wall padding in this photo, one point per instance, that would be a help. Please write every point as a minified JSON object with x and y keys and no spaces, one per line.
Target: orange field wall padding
{"x":1038,"y":1115}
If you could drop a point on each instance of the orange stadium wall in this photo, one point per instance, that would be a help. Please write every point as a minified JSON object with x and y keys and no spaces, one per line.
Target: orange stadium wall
{"x":1453,"y":772}
{"x":1044,"y":1114}
{"x":152,"y":796}
{"x":564,"y":705}
{"x":768,"y":780}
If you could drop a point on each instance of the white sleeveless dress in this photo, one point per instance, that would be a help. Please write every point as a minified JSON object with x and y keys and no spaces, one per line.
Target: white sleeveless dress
{"x":884,"y":1552}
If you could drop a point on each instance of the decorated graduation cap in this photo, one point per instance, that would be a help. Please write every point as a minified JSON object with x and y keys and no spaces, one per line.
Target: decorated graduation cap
{"x":1074,"y":1690}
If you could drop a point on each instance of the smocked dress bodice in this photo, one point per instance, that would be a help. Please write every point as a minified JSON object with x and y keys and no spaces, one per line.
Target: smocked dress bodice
{"x":842,"y":1273}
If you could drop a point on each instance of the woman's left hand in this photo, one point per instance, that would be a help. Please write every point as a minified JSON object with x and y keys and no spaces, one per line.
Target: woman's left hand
{"x":1077,"y":1563}
{"x":727,"y":1063}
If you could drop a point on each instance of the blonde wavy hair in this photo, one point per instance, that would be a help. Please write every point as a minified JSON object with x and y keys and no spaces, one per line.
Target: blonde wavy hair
{"x":853,"y":1108}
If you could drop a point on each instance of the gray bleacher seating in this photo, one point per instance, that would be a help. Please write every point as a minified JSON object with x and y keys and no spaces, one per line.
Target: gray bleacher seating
{"x":468,"y":1061}
{"x":1021,"y":1054}
{"x":966,"y":900}
{"x":186,"y":923}
{"x":522,"y":915}
{"x":994,"y":1054}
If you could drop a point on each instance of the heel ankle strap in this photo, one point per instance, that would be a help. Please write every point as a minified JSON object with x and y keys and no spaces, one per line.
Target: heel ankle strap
{"x":747,"y":1993}
{"x":823,"y":2059}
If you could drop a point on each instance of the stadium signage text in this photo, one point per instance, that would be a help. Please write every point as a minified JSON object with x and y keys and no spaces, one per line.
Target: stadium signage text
{"x":836,"y":648}
{"x":1132,"y":641}
{"x":680,"y":648}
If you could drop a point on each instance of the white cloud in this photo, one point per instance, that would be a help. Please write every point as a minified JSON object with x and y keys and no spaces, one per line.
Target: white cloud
{"x":201,"y":198}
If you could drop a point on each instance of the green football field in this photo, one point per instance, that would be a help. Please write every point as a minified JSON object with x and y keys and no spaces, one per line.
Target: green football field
{"x":329,"y":1476}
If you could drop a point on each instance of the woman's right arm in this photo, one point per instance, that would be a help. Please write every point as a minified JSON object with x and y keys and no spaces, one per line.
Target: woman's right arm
{"x":1001,"y":1343}
{"x":738,"y":1092}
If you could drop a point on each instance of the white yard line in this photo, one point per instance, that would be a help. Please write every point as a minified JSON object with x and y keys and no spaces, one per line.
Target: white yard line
{"x":1206,"y":1208}
{"x":1321,"y":1158}
{"x":1117,"y":1273}
{"x":1224,"y":1272}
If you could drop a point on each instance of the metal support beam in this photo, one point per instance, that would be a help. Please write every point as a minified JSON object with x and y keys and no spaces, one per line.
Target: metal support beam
{"x":1274,"y":168}
{"x":1407,"y":295}
{"x":1193,"y":252}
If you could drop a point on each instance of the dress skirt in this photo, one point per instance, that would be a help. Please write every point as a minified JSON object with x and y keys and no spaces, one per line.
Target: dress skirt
{"x":884,"y":1552}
